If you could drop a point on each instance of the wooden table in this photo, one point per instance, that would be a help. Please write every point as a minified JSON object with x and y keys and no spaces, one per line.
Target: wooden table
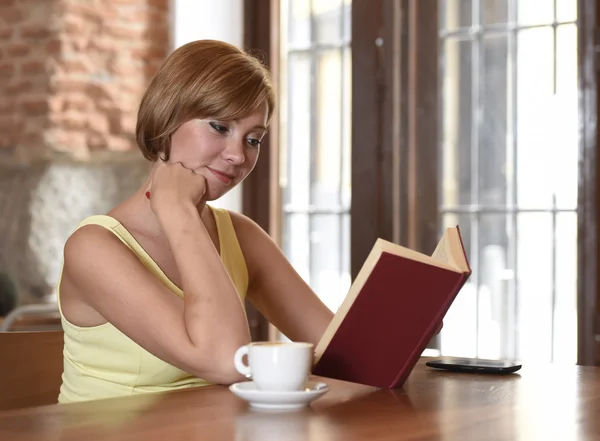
{"x":539,"y":403}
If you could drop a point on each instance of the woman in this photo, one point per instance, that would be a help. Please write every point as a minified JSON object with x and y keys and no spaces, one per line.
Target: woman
{"x":151,"y":295}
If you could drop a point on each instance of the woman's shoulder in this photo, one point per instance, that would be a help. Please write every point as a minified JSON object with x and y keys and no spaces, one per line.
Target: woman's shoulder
{"x":243,"y":224}
{"x":102,"y":220}
{"x":91,"y":232}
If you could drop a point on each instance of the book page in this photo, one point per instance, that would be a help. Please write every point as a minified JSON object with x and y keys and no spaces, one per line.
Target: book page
{"x":455,"y":248}
{"x":442,"y":252}
{"x":450,"y":251}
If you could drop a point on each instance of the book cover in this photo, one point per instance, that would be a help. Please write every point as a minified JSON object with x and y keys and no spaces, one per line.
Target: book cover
{"x":391,"y":313}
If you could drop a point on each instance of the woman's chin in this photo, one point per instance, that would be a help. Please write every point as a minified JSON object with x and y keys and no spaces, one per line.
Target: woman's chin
{"x":212,"y":195}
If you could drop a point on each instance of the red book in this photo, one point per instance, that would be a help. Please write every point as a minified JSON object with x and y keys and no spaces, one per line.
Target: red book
{"x":393,"y":309}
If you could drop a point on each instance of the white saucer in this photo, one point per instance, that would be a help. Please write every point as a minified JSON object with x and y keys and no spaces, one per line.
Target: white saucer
{"x":278,"y":399}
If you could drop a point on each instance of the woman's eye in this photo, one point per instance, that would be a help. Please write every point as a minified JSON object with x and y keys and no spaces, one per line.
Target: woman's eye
{"x":253,"y":142}
{"x":219,"y":127}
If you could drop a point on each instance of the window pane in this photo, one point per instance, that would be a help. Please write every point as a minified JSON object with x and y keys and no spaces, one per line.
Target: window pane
{"x":297,"y":187}
{"x":566,"y":10}
{"x":496,"y":282}
{"x":457,"y":122}
{"x":346,"y":191}
{"x":455,"y":14}
{"x":535,"y":91}
{"x":565,"y":136}
{"x":534,"y":282}
{"x":328,"y":162}
{"x":328,"y":276}
{"x":296,"y":242}
{"x":299,"y":23}
{"x":522,"y":108}
{"x":565,"y":308}
{"x":535,"y":12}
{"x":493,"y":131}
{"x":314,"y":142}
{"x":346,"y":20}
{"x":459,"y":334}
{"x":494,"y":11}
{"x":328,"y":21}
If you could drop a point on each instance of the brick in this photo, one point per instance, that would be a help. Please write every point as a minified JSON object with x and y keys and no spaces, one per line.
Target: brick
{"x":34,"y":124}
{"x":7,"y":122}
{"x":69,"y":121}
{"x":29,"y":140}
{"x":157,"y":16}
{"x":78,"y":103}
{"x":18,"y":87}
{"x":101,"y":44}
{"x":132,"y":3}
{"x":6,"y":34}
{"x":127,"y":123}
{"x":17,"y":49}
{"x":55,"y":104}
{"x":85,"y":10}
{"x":6,"y":104}
{"x":54,"y":46}
{"x":120,"y":144}
{"x":101,"y":90}
{"x":150,"y":52}
{"x":32,"y":68}
{"x":98,"y":124}
{"x":33,"y":107}
{"x":62,"y":85}
{"x":162,"y":5}
{"x":66,"y":141}
{"x":106,"y":105}
{"x":35,"y":31}
{"x":75,"y":24}
{"x":6,"y":69}
{"x":121,"y":32}
{"x":11,"y":15}
{"x":8,"y":4}
{"x":79,"y":44}
{"x":75,"y":66}
{"x":124,"y":69}
{"x":96,"y":141}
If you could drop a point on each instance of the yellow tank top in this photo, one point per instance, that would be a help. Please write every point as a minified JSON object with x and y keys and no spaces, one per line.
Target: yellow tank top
{"x":102,"y":362}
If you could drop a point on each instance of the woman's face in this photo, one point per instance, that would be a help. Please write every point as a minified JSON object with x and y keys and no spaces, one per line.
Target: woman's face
{"x":224,"y":152}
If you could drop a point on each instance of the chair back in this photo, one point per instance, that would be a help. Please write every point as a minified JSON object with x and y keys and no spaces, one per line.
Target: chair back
{"x":31,"y":365}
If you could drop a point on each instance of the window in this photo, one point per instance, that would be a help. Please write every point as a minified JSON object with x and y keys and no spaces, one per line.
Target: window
{"x":509,"y":174}
{"x":314,"y":143}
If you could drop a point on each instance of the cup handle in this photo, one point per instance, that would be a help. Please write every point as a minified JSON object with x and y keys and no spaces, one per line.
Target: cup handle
{"x":241,"y":367}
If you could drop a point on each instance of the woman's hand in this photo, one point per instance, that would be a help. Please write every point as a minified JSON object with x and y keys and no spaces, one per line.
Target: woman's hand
{"x":175,"y":184}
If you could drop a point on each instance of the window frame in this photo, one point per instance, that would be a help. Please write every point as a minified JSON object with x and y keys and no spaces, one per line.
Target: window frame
{"x":392,"y":193}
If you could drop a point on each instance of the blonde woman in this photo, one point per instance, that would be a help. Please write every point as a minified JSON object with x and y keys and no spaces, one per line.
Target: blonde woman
{"x":151,"y":294}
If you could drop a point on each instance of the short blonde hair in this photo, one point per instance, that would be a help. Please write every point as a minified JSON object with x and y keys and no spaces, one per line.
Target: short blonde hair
{"x":201,"y":79}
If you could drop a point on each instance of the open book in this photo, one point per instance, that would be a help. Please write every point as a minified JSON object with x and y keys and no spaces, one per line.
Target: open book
{"x":393,"y":309}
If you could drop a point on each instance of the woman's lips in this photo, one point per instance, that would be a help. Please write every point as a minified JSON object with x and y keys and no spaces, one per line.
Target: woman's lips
{"x":225,"y":178}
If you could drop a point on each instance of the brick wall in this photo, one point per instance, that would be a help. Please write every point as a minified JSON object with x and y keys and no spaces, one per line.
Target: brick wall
{"x":72,"y":71}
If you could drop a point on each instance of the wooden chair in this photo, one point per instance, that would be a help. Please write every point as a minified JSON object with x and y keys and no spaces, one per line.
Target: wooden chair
{"x":31,"y":365}
{"x":36,"y":317}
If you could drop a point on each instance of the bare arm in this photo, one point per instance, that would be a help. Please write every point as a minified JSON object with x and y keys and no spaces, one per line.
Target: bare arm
{"x":276,"y":289}
{"x":199,"y":334}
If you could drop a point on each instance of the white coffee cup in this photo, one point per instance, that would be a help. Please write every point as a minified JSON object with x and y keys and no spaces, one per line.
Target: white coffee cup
{"x":281,"y":366}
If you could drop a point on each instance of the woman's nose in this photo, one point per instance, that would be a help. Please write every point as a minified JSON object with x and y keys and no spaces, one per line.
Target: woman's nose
{"x":234,"y":153}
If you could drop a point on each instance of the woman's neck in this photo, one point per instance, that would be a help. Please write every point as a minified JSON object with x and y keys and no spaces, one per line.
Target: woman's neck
{"x":137,"y":213}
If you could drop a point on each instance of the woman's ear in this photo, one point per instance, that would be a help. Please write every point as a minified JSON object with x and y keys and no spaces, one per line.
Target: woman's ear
{"x":165,"y":154}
